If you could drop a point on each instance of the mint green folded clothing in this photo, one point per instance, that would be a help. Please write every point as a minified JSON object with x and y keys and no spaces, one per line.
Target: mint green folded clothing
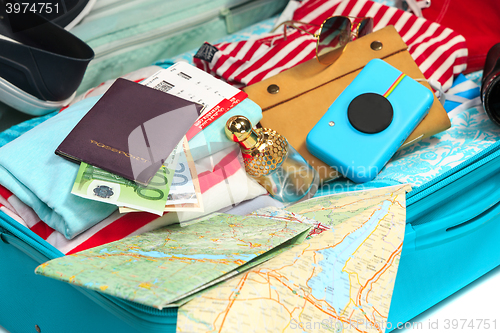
{"x":31,"y":170}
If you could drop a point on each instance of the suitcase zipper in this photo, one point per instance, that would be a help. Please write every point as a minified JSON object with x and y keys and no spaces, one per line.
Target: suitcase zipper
{"x":453,"y":174}
{"x":13,"y":228}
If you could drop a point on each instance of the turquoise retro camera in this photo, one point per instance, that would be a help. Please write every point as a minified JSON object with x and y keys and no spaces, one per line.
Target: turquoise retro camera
{"x":369,"y":121}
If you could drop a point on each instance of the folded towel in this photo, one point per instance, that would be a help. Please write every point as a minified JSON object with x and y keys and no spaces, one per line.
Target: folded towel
{"x":42,"y":180}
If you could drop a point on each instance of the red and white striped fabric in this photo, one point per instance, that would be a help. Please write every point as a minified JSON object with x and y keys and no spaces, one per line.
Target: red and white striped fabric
{"x":228,"y":171}
{"x":439,"y":52}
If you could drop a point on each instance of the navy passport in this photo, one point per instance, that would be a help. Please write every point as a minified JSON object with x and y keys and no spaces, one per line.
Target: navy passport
{"x":130,"y":131}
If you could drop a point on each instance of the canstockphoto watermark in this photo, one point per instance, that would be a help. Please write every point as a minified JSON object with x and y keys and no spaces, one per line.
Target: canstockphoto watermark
{"x":360,"y":325}
{"x":363,"y":325}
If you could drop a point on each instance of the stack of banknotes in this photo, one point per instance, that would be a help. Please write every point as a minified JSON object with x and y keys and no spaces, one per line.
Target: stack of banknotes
{"x":175,"y":187}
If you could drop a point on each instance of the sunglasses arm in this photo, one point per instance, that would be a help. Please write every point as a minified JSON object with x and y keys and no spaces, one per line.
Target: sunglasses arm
{"x":293,"y":23}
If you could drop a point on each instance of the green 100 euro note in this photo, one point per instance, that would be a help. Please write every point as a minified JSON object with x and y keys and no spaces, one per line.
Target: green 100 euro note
{"x":97,"y":184}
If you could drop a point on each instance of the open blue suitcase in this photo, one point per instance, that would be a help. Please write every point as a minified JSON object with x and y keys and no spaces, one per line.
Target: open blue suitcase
{"x":451,"y":240}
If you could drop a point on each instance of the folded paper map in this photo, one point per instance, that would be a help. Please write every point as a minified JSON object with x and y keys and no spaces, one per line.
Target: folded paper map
{"x":163,"y":266}
{"x":339,"y":280}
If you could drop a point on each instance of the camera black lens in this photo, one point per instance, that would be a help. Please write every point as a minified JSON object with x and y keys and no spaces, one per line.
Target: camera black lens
{"x":370,"y":113}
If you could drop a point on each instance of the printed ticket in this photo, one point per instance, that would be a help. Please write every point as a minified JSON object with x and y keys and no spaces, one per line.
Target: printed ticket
{"x":193,"y":84}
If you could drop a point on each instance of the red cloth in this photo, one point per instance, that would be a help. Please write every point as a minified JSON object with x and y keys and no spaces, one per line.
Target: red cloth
{"x":478,"y":21}
{"x":439,"y":51}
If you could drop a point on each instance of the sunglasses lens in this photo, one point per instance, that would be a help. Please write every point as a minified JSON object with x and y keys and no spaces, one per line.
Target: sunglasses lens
{"x":365,"y":27}
{"x":334,"y":35}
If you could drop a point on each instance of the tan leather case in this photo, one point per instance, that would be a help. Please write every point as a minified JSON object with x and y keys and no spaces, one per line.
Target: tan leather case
{"x":306,"y":91}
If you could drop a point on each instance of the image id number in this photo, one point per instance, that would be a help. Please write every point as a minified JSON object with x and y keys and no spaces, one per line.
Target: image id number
{"x":37,"y":8}
{"x":473,"y":324}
